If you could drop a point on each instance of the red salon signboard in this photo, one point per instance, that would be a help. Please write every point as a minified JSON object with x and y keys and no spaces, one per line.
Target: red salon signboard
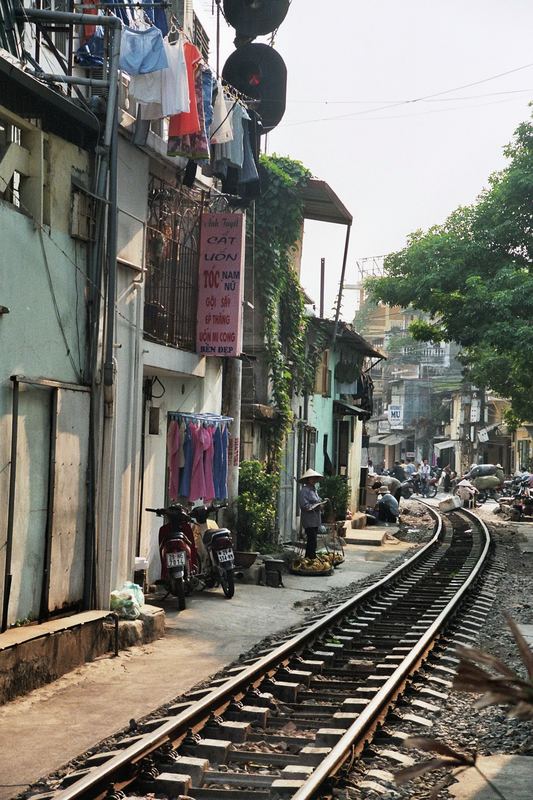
{"x":221,"y":283}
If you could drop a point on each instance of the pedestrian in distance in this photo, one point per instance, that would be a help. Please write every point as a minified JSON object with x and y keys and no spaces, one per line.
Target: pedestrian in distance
{"x":410,"y":468}
{"x":424,"y":473}
{"x":447,"y":479}
{"x":311,"y":507}
{"x":399,"y":472}
{"x":387,"y":506}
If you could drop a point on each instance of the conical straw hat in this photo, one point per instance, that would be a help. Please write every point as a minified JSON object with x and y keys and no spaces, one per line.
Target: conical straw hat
{"x":310,"y":473}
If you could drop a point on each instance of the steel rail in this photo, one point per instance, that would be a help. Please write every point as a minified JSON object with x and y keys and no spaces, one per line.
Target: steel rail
{"x":201,"y":709}
{"x":359,"y":729}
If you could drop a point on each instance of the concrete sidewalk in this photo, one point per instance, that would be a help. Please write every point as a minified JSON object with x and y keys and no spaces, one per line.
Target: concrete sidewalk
{"x":53,"y":724}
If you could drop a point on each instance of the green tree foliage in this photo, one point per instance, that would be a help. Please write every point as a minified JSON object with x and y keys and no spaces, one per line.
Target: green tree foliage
{"x":256,"y":505}
{"x":273,"y":236}
{"x":473,"y":275}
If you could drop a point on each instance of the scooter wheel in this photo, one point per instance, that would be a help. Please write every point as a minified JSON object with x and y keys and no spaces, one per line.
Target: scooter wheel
{"x":227,"y":581}
{"x":432,"y":491}
{"x":177,"y":588}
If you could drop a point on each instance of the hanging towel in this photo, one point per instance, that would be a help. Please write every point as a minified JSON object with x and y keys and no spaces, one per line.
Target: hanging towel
{"x":142,"y":51}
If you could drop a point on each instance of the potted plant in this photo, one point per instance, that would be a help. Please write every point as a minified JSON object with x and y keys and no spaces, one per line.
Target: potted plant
{"x":336,"y":488}
{"x":256,"y":506}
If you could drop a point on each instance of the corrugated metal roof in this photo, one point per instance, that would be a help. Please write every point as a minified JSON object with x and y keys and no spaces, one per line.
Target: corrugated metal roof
{"x":322,"y":204}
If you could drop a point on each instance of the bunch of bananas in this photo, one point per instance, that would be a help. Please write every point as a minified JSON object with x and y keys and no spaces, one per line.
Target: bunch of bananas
{"x":323,"y":562}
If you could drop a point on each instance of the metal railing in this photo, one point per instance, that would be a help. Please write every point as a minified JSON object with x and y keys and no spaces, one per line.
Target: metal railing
{"x":171,"y":292}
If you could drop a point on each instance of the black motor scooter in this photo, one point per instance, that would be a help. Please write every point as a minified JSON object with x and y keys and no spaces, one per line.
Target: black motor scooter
{"x":215,"y":548}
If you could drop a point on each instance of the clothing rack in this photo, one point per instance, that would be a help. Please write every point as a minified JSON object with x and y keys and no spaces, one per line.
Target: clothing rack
{"x":199,"y":417}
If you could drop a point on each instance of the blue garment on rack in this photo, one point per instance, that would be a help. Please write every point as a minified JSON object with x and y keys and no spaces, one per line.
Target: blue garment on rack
{"x":91,"y":53}
{"x":207,"y":97}
{"x":185,"y":477}
{"x":218,"y":465}
{"x":158,"y":17}
{"x":224,"y":474}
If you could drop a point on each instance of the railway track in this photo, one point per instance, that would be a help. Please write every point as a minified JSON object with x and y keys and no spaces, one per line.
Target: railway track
{"x":286,"y":723}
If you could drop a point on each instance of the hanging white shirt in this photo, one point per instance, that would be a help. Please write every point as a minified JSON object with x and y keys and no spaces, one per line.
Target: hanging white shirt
{"x":165,"y":92}
{"x":221,"y":129}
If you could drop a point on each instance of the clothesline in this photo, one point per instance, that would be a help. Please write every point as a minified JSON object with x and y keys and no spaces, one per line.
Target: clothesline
{"x":199,"y":417}
{"x":175,"y":27}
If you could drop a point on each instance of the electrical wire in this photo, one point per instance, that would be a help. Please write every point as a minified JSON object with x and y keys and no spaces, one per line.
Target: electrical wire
{"x":428,"y":100}
{"x":413,"y":100}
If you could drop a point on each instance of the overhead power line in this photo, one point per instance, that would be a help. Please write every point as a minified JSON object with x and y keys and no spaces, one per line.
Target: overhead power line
{"x":414,"y":99}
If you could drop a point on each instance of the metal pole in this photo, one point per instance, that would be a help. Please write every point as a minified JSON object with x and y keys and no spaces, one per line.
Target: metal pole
{"x":45,"y":588}
{"x":218,"y":38}
{"x":233,"y":380}
{"x":341,"y":284}
{"x":71,"y":79}
{"x":322,"y":279}
{"x":8,"y":577}
{"x":109,"y":368}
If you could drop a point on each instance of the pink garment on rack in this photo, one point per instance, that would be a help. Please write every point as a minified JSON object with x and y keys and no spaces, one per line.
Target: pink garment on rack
{"x":209,"y":455}
{"x":173,"y":446}
{"x":200,"y":441}
{"x":181,"y":453}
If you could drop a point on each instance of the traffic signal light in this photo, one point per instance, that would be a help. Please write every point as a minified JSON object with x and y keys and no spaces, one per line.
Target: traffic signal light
{"x":252,"y":18}
{"x":254,"y":69}
{"x":258,"y":71}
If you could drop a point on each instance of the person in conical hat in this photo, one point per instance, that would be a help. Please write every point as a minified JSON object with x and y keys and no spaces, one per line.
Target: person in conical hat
{"x":311,"y":506}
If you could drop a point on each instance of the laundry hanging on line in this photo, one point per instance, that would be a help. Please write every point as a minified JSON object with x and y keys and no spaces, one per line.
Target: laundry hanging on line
{"x":207,"y":124}
{"x":197,"y":456}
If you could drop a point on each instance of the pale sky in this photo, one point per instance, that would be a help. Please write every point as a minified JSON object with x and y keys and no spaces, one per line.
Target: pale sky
{"x":404,"y":167}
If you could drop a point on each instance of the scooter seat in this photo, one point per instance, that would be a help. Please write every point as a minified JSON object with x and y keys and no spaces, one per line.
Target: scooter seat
{"x":211,"y":533}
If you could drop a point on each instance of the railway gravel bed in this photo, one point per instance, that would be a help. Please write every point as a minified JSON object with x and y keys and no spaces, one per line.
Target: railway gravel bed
{"x":453,"y":720}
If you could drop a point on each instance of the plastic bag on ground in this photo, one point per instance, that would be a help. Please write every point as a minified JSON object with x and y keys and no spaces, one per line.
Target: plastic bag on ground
{"x":127,"y":602}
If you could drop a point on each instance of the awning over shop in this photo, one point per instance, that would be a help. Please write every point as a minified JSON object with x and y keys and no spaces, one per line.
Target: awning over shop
{"x":347,"y":410}
{"x":374,"y":440}
{"x":321,"y":203}
{"x":390,"y":441}
{"x":445,"y":445}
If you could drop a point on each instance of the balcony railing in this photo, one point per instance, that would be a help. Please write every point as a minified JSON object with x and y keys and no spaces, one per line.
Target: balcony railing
{"x":171,"y":292}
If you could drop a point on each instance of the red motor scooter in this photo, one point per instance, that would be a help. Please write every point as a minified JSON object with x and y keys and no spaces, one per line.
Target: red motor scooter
{"x":190,"y":561}
{"x":179,"y":559}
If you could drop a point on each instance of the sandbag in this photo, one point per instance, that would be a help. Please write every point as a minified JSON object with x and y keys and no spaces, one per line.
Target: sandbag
{"x":486,"y":482}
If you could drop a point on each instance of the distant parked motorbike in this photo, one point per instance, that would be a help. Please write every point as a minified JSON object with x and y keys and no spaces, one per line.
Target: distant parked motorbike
{"x":416,"y":483}
{"x":190,"y":562}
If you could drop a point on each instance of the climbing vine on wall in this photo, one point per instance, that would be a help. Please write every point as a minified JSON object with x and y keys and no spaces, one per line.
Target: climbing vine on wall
{"x":274,"y":235}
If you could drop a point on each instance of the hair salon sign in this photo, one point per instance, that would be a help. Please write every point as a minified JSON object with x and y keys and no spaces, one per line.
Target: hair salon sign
{"x":221,"y":283}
